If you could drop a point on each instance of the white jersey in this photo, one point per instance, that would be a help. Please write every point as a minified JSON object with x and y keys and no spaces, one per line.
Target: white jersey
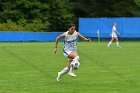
{"x":70,"y":42}
{"x":114,"y":32}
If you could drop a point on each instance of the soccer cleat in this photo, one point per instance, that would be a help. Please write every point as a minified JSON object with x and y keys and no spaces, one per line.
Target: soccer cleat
{"x":119,"y":47}
{"x":58,"y":77}
{"x":72,"y":74}
{"x":108,"y":46}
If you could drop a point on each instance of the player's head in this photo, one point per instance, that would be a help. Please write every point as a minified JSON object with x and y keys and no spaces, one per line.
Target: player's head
{"x":115,"y":24}
{"x":71,"y":28}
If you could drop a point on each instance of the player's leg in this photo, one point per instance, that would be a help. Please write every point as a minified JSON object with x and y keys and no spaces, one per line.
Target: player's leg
{"x":112,"y":39}
{"x":64,"y":70}
{"x":72,"y":57}
{"x":71,"y":69}
{"x":117,"y":43}
{"x":75,"y":57}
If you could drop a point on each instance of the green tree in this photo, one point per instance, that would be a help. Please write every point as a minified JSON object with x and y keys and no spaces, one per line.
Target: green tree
{"x":125,"y":8}
{"x":29,"y":10}
{"x":137,"y":12}
{"x":52,"y":15}
{"x":60,"y":14}
{"x":104,"y":8}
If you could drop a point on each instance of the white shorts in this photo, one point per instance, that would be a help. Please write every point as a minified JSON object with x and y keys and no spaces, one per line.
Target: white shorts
{"x":114,"y":35}
{"x":66,"y":53}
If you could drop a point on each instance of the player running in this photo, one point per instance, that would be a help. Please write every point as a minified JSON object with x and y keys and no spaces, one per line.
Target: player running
{"x":114,"y":36}
{"x":69,"y":49}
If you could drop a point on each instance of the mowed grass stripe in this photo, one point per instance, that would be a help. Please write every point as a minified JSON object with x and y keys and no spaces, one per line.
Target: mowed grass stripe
{"x":33,"y":67}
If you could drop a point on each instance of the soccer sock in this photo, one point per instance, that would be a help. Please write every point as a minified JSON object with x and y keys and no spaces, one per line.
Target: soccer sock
{"x":117,"y":44}
{"x":109,"y":43}
{"x":76,"y":58}
{"x":71,"y":69}
{"x":65,"y":70}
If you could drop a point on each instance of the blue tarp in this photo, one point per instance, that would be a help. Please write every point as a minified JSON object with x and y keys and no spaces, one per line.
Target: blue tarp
{"x":28,"y":36}
{"x":128,"y":27}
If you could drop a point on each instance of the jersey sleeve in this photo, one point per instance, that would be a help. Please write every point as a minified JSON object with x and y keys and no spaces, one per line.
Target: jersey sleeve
{"x":76,"y":33}
{"x":65,"y":33}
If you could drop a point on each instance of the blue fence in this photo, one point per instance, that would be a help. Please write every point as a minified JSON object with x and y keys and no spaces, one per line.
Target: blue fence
{"x":128,"y":27}
{"x":28,"y":36}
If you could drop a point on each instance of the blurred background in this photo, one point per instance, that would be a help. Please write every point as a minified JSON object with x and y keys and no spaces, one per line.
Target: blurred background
{"x":55,"y":15}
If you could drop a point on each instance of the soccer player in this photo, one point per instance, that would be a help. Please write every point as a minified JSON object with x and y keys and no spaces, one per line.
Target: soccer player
{"x":69,"y":48}
{"x":114,"y":36}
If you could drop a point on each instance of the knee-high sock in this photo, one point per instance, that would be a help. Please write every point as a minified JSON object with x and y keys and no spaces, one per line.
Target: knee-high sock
{"x":65,"y":70}
{"x":109,"y":43}
{"x":117,"y":43}
{"x":76,"y":58}
{"x":71,"y":67}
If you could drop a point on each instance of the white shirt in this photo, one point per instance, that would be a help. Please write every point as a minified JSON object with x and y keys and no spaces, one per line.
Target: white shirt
{"x":70,"y":42}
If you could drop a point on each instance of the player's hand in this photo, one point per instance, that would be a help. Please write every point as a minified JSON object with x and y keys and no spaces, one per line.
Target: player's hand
{"x":55,"y":50}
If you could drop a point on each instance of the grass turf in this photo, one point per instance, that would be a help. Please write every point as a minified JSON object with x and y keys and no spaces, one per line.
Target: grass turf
{"x":33,"y":67}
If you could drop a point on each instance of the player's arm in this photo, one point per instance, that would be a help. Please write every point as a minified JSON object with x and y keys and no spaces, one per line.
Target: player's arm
{"x":116,"y":31}
{"x":83,"y":38}
{"x":56,"y":42}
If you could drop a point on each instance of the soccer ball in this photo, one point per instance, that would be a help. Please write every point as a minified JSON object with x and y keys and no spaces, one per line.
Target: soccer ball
{"x":75,"y":64}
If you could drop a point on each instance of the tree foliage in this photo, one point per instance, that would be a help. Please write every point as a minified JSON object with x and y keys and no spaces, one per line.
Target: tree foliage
{"x":47,"y":15}
{"x":105,"y":8}
{"x":54,"y":15}
{"x":60,"y":14}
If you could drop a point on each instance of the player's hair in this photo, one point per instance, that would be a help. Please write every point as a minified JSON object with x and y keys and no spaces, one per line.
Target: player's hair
{"x":70,"y":25}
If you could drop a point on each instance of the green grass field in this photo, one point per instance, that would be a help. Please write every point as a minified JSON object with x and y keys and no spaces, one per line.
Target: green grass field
{"x":33,"y":67}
